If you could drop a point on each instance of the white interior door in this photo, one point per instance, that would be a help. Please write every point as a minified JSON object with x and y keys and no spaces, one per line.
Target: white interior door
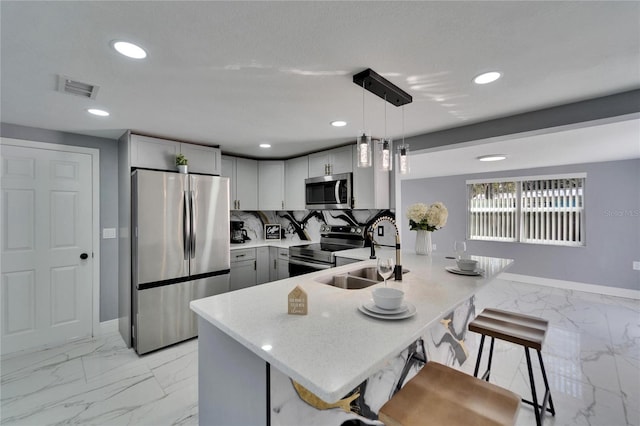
{"x":46,"y":227}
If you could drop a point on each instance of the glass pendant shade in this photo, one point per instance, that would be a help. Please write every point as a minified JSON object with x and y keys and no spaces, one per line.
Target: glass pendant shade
{"x":403,"y":159}
{"x":386,"y":156}
{"x":364,"y":150}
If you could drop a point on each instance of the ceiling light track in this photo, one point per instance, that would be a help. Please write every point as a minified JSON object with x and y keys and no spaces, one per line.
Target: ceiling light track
{"x":380,"y":86}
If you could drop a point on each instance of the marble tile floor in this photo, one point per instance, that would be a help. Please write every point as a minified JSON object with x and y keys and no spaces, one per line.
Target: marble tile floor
{"x":592,"y":357}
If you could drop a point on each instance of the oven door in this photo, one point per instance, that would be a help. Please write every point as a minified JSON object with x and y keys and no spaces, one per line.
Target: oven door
{"x":300,"y":267}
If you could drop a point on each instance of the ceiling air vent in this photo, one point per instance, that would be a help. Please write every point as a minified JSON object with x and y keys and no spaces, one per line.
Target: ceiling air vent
{"x":78,"y":88}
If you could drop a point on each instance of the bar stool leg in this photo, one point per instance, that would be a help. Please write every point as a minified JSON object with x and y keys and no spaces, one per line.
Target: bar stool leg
{"x":534,"y":396}
{"x":487,"y":375}
{"x":475,"y":371}
{"x":551,"y":409}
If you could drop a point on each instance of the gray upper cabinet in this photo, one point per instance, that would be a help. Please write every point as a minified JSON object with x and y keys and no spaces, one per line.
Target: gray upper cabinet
{"x":331,"y":162}
{"x":370,"y":184}
{"x":296,"y":170}
{"x":156,"y":153}
{"x":153,"y":153}
{"x":243,"y":175}
{"x":271,"y":185}
{"x":202,"y":159}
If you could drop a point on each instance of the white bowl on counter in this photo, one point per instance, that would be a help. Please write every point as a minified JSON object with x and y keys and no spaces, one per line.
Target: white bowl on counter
{"x":388,"y":298}
{"x":467,"y":265}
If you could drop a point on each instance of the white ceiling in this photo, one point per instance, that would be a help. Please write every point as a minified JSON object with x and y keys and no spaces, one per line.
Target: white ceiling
{"x":236,"y":74}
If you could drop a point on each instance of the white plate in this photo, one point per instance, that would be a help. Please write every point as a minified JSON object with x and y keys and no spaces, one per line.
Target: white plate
{"x":411,"y":311}
{"x":455,"y":270}
{"x":372,"y":307}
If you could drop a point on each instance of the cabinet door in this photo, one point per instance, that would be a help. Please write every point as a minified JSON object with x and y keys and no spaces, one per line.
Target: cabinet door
{"x":273,"y":263}
{"x":228,"y":169}
{"x":246,"y":184}
{"x":271,"y":185}
{"x":262,"y":265}
{"x":153,"y":153}
{"x":296,"y":171}
{"x":341,"y":160}
{"x":370,"y":185}
{"x":283,"y":263}
{"x":243,"y":274}
{"x":202,"y":159}
{"x":317,"y":163}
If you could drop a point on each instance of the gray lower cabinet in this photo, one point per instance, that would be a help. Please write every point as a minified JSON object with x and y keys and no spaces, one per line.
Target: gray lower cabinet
{"x":279,"y":263}
{"x":263,"y":265}
{"x":243,"y":269}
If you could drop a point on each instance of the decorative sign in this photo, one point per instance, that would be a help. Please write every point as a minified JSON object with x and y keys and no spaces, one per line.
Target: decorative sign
{"x":297,"y":301}
{"x":272,"y":231}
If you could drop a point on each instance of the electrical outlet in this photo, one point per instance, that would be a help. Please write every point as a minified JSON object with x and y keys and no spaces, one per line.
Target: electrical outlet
{"x":636,"y":265}
{"x":108,"y":233}
{"x":434,"y":246}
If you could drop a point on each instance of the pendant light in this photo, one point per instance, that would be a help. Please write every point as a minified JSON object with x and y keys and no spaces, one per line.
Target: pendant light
{"x":383,"y":88}
{"x":364,"y":142}
{"x":386,"y":149}
{"x":403,"y":152}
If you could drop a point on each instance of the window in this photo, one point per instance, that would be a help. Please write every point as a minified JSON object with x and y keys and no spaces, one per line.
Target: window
{"x":539,"y":210}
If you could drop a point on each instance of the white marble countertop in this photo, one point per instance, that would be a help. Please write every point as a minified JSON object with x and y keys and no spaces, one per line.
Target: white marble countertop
{"x":335,"y":347}
{"x":284,"y":243}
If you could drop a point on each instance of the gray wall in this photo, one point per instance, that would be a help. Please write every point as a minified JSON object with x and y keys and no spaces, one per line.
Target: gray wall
{"x":108,"y":202}
{"x":612,"y":208}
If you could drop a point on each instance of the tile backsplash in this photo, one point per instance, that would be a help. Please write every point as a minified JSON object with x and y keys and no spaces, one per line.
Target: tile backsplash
{"x":304,"y":225}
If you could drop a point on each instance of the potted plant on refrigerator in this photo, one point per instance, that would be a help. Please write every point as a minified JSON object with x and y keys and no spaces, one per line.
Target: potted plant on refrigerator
{"x":181,"y":162}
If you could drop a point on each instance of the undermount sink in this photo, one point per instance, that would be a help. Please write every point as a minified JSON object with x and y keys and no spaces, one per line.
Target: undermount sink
{"x":356,"y":279}
{"x":353,"y":280}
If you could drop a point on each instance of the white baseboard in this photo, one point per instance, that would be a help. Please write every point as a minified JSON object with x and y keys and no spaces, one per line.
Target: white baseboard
{"x":107,"y":327}
{"x":573,"y":285}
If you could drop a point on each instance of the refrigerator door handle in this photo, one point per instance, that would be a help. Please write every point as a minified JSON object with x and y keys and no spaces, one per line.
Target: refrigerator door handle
{"x":186,"y":226}
{"x":192,"y":247}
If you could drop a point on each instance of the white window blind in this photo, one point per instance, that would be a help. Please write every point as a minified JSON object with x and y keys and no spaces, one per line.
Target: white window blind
{"x":539,"y":210}
{"x":493,"y":211}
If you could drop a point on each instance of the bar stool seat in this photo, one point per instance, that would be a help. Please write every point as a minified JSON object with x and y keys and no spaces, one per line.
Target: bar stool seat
{"x":439,"y":395}
{"x":524,"y":330}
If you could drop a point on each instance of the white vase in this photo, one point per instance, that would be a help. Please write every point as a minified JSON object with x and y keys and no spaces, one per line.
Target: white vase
{"x":182,"y":169}
{"x":423,"y":242}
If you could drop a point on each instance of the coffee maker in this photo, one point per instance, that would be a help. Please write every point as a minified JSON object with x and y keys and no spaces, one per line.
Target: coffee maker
{"x":238,"y":233}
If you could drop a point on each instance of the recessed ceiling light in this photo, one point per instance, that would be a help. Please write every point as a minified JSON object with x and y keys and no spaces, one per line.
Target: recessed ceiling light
{"x":129,"y":49}
{"x":492,"y":157}
{"x":265,"y":145}
{"x":338,"y":123}
{"x":98,"y":112}
{"x":487,"y":77}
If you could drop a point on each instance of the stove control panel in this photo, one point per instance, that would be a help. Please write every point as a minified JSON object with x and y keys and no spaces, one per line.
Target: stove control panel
{"x":341,"y":231}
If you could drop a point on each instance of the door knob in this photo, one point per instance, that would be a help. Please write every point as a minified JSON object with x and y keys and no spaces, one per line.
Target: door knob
{"x":84,"y":256}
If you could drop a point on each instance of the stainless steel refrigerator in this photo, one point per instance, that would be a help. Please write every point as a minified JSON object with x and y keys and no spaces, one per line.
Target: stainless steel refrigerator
{"x":180,"y":252}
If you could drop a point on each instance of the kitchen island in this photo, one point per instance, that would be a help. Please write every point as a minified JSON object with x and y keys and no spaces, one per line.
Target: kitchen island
{"x":251,"y":350}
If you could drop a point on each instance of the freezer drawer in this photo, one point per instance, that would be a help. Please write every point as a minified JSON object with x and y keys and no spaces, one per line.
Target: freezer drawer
{"x":162,"y":315}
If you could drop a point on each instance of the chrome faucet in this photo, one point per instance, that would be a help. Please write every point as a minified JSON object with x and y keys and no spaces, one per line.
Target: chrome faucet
{"x":397,"y":272}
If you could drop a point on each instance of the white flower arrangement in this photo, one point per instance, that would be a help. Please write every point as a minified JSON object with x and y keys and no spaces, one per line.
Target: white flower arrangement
{"x":428,"y":218}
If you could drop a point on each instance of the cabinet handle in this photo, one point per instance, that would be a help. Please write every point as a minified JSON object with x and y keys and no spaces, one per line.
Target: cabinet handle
{"x":274,"y":264}
{"x":255,"y":265}
{"x":240,"y":255}
{"x":282,"y":205}
{"x":238,"y":204}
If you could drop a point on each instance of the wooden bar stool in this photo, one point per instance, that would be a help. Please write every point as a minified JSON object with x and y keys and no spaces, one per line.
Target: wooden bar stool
{"x":524,"y":330}
{"x":439,"y":395}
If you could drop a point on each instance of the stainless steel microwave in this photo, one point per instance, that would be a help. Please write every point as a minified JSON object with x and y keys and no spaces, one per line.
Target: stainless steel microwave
{"x":328,"y":192}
